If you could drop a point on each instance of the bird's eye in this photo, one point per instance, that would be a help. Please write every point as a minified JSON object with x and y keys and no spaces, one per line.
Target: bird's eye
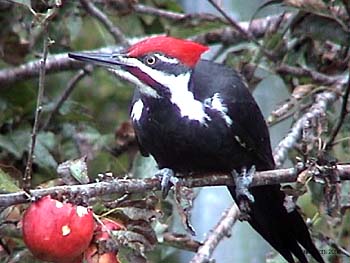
{"x":150,"y":60}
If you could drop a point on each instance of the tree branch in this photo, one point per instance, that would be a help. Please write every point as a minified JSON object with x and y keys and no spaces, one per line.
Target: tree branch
{"x":221,"y":230}
{"x":54,"y":63}
{"x":343,"y":113}
{"x":27,"y":177}
{"x":229,"y":36}
{"x":245,"y":33}
{"x":122,"y":186}
{"x":102,"y":17}
{"x":317,"y":77}
{"x":174,"y":16}
{"x":322,"y":101}
{"x":61,"y":62}
{"x":181,"y":241}
{"x":67,"y":91}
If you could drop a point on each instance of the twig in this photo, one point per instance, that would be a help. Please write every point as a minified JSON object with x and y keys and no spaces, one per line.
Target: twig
{"x":233,"y":23}
{"x":181,"y":241}
{"x":68,"y":90}
{"x":277,"y":117}
{"x":174,"y":16}
{"x":123,"y":186}
{"x":341,"y":249}
{"x":28,"y":170}
{"x":102,"y":17}
{"x":322,"y":101}
{"x":294,"y":103}
{"x":245,"y":33}
{"x":317,"y":77}
{"x":343,"y":113}
{"x":221,"y":230}
{"x":332,"y":243}
{"x":346,"y":3}
{"x":229,"y":36}
{"x":143,"y":9}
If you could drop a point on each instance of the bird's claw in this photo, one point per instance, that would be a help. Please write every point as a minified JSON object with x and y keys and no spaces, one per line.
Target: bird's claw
{"x":243,"y":181}
{"x":167,"y":180}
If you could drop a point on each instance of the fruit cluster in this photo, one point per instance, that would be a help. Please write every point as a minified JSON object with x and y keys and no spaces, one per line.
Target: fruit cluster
{"x":66,"y":233}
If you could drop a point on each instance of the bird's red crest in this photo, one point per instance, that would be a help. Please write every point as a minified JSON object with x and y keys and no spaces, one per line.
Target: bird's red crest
{"x":188,"y":52}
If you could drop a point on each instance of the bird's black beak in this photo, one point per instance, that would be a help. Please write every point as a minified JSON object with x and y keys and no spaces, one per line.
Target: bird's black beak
{"x":109,"y":60}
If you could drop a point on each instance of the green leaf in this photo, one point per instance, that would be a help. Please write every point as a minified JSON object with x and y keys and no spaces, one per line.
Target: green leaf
{"x":73,"y":25}
{"x":73,"y":171}
{"x":17,"y":142}
{"x":170,"y":5}
{"x":7,"y":144}
{"x":47,"y":139}
{"x":78,"y":169}
{"x":43,"y":157}
{"x":44,"y":144}
{"x":7,"y":183}
{"x":26,"y":3}
{"x":144,"y":167}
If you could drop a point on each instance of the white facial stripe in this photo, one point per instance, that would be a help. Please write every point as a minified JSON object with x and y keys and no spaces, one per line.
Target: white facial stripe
{"x":216,"y":104}
{"x":178,"y":86}
{"x":184,"y":99}
{"x":166,"y":59}
{"x":136,"y":111}
{"x":132,"y":79}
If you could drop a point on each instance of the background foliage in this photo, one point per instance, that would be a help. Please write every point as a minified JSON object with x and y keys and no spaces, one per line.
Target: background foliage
{"x":308,"y":50}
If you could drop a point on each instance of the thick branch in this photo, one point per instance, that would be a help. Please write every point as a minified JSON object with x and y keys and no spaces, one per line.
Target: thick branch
{"x":221,"y":230}
{"x":54,"y":63}
{"x":122,"y":186}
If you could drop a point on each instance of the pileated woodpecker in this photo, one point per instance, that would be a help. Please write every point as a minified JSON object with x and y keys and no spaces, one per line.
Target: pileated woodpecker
{"x":194,"y":115}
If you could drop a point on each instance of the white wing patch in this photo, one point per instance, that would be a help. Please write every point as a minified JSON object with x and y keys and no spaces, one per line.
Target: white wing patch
{"x":136,"y":111}
{"x":216,"y":103}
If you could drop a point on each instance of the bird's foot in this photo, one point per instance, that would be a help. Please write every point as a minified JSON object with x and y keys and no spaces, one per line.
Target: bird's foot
{"x":243,"y":181}
{"x":167,"y":180}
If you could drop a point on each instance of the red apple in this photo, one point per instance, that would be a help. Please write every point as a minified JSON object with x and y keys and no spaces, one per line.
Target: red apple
{"x":92,"y":254}
{"x":102,"y":230}
{"x":57,"y":232}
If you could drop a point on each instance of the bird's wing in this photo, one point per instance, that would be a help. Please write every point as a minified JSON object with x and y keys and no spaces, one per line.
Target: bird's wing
{"x":248,"y":124}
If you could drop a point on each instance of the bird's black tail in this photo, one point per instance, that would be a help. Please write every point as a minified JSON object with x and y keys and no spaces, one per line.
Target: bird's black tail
{"x":283,"y":230}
